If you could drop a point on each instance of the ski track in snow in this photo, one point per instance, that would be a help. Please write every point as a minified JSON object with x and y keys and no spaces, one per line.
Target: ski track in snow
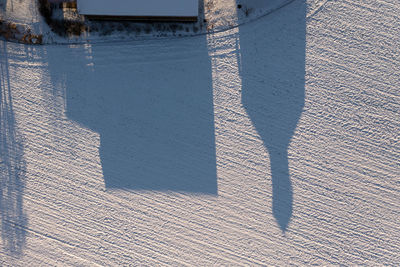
{"x":343,"y":151}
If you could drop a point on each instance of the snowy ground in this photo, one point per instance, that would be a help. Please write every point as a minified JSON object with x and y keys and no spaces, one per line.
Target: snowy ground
{"x":173,"y":151}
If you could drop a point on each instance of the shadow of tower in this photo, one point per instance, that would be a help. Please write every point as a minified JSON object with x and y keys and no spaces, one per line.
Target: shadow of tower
{"x":272,"y":69}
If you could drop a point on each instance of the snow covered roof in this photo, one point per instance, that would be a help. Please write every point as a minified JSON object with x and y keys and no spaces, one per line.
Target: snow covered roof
{"x":59,"y":1}
{"x":139,"y":8}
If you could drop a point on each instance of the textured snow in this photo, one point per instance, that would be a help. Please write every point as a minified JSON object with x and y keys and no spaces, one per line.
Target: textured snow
{"x":173,"y":152}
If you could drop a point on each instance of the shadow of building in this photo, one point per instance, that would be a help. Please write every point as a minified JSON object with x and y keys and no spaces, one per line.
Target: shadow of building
{"x":152,"y":105}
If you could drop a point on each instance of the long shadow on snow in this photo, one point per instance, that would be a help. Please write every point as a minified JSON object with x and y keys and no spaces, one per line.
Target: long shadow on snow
{"x":272,"y":57}
{"x":151,"y":102}
{"x":12,"y":167}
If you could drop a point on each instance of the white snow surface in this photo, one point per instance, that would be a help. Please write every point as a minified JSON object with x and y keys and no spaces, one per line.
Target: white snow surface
{"x":162,"y":152}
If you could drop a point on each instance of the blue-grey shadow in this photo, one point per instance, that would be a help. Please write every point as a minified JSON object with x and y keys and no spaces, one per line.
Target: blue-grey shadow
{"x":152,"y":104}
{"x":272,"y":69}
{"x":3,"y":5}
{"x":12,"y":167}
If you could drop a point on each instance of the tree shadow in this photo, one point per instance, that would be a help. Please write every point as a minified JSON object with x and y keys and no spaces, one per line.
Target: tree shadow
{"x":12,"y":167}
{"x":272,"y":69}
{"x":152,"y":104}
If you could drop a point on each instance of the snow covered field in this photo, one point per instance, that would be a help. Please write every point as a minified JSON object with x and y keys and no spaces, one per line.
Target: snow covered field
{"x":273,"y":143}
